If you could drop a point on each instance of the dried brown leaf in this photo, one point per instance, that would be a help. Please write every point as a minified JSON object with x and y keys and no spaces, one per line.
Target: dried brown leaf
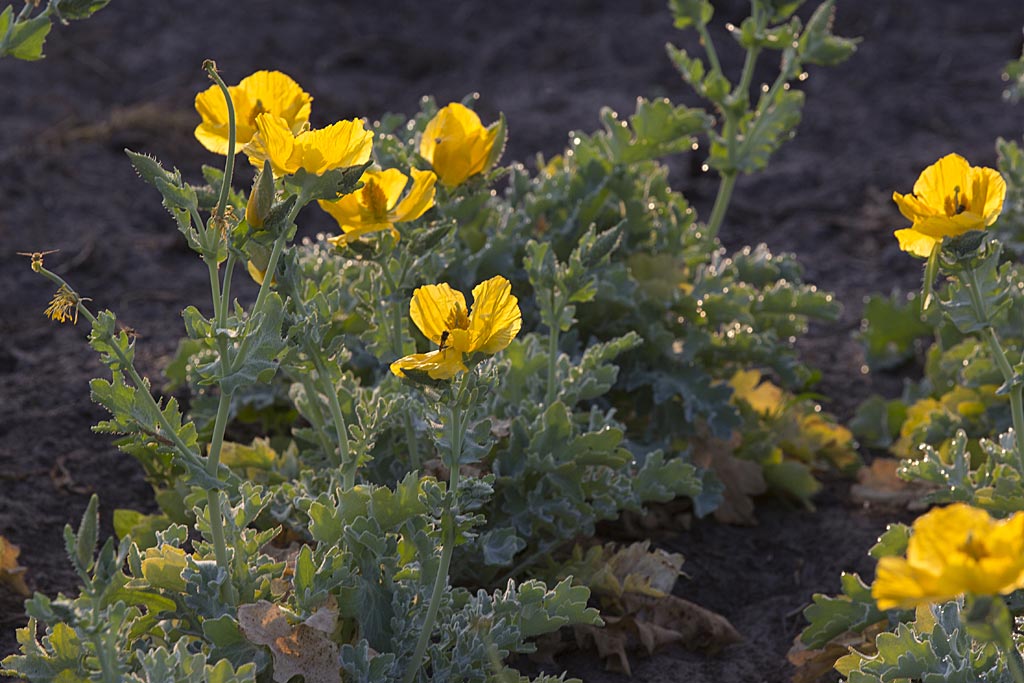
{"x":302,"y":649}
{"x":879,"y":484}
{"x":11,"y":573}
{"x":742,"y":479}
{"x":814,"y":665}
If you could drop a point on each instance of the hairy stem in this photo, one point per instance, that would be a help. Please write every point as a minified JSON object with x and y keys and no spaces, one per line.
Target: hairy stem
{"x":456,"y":433}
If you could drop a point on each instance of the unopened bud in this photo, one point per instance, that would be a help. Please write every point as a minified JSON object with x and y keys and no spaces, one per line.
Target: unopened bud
{"x":261,"y":197}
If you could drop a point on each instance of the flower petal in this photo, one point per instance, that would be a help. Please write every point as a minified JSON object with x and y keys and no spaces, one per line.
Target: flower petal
{"x":274,"y":141}
{"x":495,"y":319}
{"x":276,"y":93}
{"x":437,"y":309}
{"x":915,"y":242}
{"x":987,"y":193}
{"x":441,"y":364}
{"x":420,"y":197}
{"x":339,"y":145}
{"x":911,"y":207}
{"x":938,"y":182}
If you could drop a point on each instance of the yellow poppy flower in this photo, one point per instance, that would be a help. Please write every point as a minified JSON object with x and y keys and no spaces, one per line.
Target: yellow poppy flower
{"x":375,"y":206}
{"x":953,"y":550}
{"x":440,"y":313}
{"x":340,"y":145}
{"x":457,"y":145}
{"x":263,"y":92}
{"x":950,"y":197}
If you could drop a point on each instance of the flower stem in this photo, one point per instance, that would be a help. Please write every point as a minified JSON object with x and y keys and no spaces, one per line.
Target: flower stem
{"x":331,"y":392}
{"x":1002,"y":362}
{"x":229,"y":163}
{"x":456,"y":433}
{"x":213,"y":496}
{"x":725,"y":187}
{"x":552,"y":391}
{"x":1013,"y":660}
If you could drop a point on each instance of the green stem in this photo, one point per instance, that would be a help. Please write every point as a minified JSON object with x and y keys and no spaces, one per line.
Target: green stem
{"x":340,"y":428}
{"x":722,"y":199}
{"x":218,"y":304}
{"x":447,"y":541}
{"x":1002,"y":362}
{"x":213,"y":496}
{"x":225,"y":295}
{"x":316,"y":417}
{"x":412,"y":442}
{"x":229,"y":164}
{"x":709,"y":46}
{"x":552,"y":390}
{"x":1013,"y":660}
{"x":331,"y":391}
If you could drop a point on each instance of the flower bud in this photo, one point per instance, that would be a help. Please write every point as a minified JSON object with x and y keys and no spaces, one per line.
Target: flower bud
{"x":261,"y":197}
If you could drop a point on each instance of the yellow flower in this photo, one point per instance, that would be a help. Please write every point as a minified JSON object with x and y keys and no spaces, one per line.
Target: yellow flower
{"x":340,"y":145}
{"x":457,"y":145}
{"x":376,"y":207}
{"x":950,"y":197}
{"x":63,"y":307}
{"x":263,"y":92}
{"x":953,"y":550}
{"x":440,"y":313}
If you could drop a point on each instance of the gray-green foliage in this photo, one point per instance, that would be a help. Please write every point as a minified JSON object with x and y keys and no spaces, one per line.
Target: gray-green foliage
{"x":22,"y":34}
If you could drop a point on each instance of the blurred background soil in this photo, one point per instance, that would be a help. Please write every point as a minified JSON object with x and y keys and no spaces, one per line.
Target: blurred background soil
{"x":924,"y":82}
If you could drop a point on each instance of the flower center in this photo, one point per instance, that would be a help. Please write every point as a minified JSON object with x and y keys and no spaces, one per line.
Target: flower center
{"x":956,"y":204}
{"x":256,"y":111}
{"x":974,"y":548}
{"x":375,"y":201}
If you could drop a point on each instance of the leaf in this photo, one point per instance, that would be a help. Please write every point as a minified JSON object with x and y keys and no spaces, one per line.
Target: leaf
{"x":892,"y":330}
{"x":329,"y":185}
{"x":27,"y":37}
{"x":11,"y":573}
{"x":691,"y":12}
{"x":300,"y":650}
{"x":853,"y":610}
{"x":74,"y":10}
{"x":818,"y":45}
{"x":656,"y":129}
{"x":763,"y":133}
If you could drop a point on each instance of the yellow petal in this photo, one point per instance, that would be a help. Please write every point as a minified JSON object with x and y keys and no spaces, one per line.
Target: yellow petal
{"x":495,"y":319}
{"x":275,"y":93}
{"x":911,"y":207}
{"x":453,"y":142}
{"x":441,"y":364}
{"x":938,"y":182}
{"x":987,"y":193}
{"x":347,"y":211}
{"x":212,"y":131}
{"x":900,"y":585}
{"x":340,"y":145}
{"x":420,"y":197}
{"x":357,"y":230}
{"x":915,"y":242}
{"x":437,"y":309}
{"x":274,"y":141}
{"x":391,"y":182}
{"x":270,"y":92}
{"x":938,"y":227}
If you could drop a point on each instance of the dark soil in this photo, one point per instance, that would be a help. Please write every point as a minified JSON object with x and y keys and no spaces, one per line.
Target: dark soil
{"x":925,"y":82}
